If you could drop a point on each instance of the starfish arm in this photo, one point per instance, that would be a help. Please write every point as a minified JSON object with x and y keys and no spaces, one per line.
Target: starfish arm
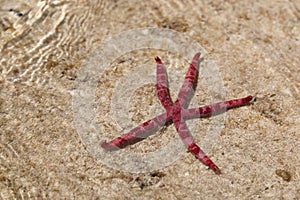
{"x":162,"y":86}
{"x":215,"y":109}
{"x":188,"y":87}
{"x":188,"y":140}
{"x":137,"y":134}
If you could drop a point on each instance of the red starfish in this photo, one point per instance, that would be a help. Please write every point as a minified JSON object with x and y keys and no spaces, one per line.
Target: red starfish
{"x":177,"y":113}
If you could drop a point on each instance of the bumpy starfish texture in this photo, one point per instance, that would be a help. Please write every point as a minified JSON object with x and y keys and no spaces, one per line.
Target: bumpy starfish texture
{"x":177,"y":113}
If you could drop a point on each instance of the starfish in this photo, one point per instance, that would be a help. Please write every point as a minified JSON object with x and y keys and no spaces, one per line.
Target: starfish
{"x":177,"y":113}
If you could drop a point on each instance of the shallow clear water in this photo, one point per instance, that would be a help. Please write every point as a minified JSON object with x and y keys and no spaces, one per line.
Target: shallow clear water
{"x":41,"y":38}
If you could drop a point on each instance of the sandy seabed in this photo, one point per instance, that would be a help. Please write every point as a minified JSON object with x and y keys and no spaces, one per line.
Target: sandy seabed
{"x":46,"y":44}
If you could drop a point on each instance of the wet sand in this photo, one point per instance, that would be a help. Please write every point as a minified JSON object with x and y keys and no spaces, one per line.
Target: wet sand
{"x":44,"y":48}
